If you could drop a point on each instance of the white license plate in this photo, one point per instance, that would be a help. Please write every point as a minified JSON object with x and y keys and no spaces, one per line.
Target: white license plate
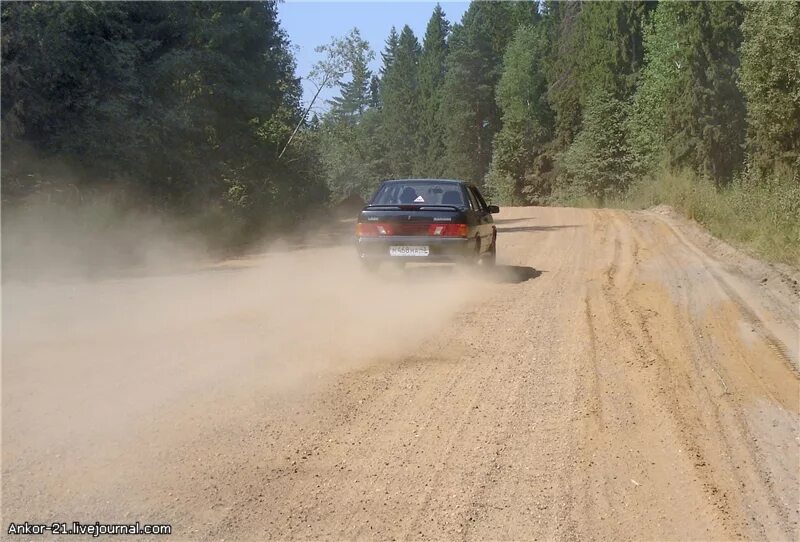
{"x":408,"y":251}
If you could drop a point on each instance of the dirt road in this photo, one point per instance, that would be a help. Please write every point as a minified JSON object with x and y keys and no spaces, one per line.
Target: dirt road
{"x":621,"y":376}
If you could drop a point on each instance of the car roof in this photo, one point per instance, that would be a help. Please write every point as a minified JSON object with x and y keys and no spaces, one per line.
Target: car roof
{"x":452,"y":181}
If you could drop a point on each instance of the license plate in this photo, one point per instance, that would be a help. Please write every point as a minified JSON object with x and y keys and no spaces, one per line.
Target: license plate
{"x":408,"y":251}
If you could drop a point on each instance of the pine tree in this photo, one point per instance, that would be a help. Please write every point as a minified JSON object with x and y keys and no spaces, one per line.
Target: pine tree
{"x":659,"y":85}
{"x":520,"y":170}
{"x":599,"y":162}
{"x":688,"y":102}
{"x":770,"y":79}
{"x":611,"y":50}
{"x":474,"y":66}
{"x":709,"y":134}
{"x":431,"y":79}
{"x":608,"y":59}
{"x":355,"y":94}
{"x":188,"y":102}
{"x":399,"y":94}
{"x":374,"y":92}
{"x":389,"y":51}
{"x":563,"y":95}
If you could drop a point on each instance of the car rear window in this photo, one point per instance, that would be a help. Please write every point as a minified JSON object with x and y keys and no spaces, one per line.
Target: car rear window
{"x":419,"y":193}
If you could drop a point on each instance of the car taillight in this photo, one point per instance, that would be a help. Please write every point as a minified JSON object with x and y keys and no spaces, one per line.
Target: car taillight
{"x":383,"y":229}
{"x":448,"y":230}
{"x":372,"y":229}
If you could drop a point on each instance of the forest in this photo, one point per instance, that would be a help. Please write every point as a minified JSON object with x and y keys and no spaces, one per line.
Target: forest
{"x":195,"y":108}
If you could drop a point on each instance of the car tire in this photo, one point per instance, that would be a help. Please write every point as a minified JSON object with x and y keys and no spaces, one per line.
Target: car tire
{"x":490,"y":258}
{"x":474,"y":258}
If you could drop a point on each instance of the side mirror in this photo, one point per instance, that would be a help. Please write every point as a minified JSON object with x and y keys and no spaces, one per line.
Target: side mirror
{"x":494,"y":209}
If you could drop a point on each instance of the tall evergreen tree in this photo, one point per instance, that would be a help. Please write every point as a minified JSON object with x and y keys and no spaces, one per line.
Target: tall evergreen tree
{"x":770,"y":79}
{"x":611,"y":50}
{"x":520,"y":168}
{"x":375,"y":91}
{"x":599,"y":162}
{"x":389,"y":51}
{"x":185,"y":103}
{"x":688,"y":102}
{"x":474,"y":66}
{"x":709,"y":135}
{"x":350,"y":142}
{"x":400,"y":97}
{"x":659,"y":85}
{"x":355,"y":95}
{"x":431,"y":79}
{"x":562,"y":23}
{"x":608,"y":60}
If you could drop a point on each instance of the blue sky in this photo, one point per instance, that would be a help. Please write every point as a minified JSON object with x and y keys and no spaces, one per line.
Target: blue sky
{"x":309,"y":24}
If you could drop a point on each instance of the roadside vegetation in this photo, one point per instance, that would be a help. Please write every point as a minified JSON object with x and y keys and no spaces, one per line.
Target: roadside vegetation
{"x":761,"y":217}
{"x":175,"y":108}
{"x":692,"y":104}
{"x":737,"y":171}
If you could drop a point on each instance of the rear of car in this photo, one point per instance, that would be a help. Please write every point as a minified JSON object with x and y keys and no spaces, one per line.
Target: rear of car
{"x":425,"y":220}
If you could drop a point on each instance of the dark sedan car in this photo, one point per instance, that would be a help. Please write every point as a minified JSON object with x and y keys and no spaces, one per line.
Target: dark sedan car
{"x":426,"y":220}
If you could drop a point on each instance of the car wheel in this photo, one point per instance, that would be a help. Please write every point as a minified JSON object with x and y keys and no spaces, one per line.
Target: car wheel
{"x":475,"y":257}
{"x":490,"y":258}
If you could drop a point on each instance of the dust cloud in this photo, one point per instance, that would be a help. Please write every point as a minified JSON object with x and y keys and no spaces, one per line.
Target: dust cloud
{"x":104,"y":235}
{"x":93,"y":360}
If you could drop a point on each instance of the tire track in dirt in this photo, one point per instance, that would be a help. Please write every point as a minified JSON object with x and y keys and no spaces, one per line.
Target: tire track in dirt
{"x":623,"y":444}
{"x":680,"y":398}
{"x":747,"y":312}
{"x":738,"y":447}
{"x":616,"y":394}
{"x":658,"y":337}
{"x":513,"y":501}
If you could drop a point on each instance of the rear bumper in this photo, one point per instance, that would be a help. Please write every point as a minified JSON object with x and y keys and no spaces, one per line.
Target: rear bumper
{"x":441,"y":249}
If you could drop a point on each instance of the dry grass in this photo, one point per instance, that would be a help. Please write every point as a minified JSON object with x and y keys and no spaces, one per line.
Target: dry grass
{"x":763,"y":218}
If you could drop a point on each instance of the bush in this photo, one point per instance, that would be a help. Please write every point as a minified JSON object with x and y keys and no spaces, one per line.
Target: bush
{"x":762,"y":215}
{"x":599,"y":160}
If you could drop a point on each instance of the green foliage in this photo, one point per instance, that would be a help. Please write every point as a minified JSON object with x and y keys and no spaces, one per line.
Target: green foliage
{"x":353,"y":155}
{"x":431,"y":77}
{"x":599,"y":161}
{"x":467,"y":100}
{"x":400,"y":105}
{"x":611,"y":50}
{"x":770,"y":79}
{"x":562,"y":24}
{"x":602,"y":54}
{"x":763,"y":217}
{"x":350,"y":139}
{"x":521,"y":91}
{"x":374,"y":91}
{"x":687,"y":105}
{"x":196,"y":105}
{"x":356,"y":94}
{"x":706,"y":127}
{"x":520,"y":170}
{"x":389,"y":51}
{"x":659,"y":85}
{"x":184,"y":104}
{"x":474,"y":66}
{"x":592,"y":47}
